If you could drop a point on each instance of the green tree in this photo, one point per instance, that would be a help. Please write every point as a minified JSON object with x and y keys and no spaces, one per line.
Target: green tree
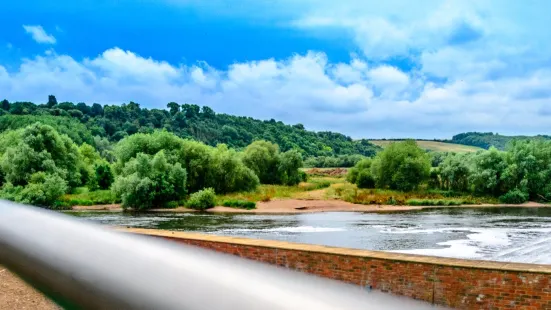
{"x":41,"y":149}
{"x":288,"y":167}
{"x":219,"y":168}
{"x":96,"y":110}
{"x":361,"y":174}
{"x":5,"y":105}
{"x":103,"y":174}
{"x":262,"y":157}
{"x":174,"y":108}
{"x":52,"y":101}
{"x":488,"y":170}
{"x":401,"y":166}
{"x":150,"y":181}
{"x":455,"y":172}
{"x":82,"y":107}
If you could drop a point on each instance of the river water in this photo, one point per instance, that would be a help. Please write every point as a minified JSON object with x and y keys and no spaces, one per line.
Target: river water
{"x":500,"y":234}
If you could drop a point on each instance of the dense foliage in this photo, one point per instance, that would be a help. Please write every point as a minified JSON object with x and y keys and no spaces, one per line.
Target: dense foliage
{"x":115,"y":122}
{"x":401,"y":166}
{"x":150,"y":181}
{"x":206,"y":166}
{"x":38,"y":164}
{"x":521,"y":173}
{"x":344,"y":161}
{"x":488,"y":139}
{"x":271,"y":166}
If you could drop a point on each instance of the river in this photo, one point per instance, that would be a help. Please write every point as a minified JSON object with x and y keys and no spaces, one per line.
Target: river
{"x":500,"y":234}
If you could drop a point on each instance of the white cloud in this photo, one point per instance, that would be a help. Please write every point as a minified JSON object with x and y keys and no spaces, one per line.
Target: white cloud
{"x":358,"y":98}
{"x":39,"y":34}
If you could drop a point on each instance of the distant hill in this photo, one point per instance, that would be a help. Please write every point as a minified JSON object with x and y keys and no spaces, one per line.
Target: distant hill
{"x":82,"y":122}
{"x":487,"y":139}
{"x":434,"y":146}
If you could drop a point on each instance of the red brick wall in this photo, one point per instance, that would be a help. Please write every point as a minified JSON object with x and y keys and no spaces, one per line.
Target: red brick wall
{"x":480,"y":286}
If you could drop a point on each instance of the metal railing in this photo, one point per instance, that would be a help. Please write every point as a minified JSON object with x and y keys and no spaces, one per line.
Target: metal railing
{"x":87,"y":266}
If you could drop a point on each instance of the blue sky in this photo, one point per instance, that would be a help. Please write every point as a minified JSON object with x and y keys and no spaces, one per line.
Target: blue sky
{"x":425,"y":69}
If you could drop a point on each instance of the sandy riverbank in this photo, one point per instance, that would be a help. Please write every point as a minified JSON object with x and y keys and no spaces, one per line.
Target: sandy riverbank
{"x":278,"y":206}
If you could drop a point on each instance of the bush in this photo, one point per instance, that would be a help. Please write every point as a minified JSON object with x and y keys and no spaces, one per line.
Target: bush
{"x":202,"y":200}
{"x":303,"y":176}
{"x":515,"y":196}
{"x":364,"y":179}
{"x":241,"y":204}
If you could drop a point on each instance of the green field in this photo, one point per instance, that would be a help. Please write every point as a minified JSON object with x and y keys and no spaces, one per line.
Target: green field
{"x":434,"y":146}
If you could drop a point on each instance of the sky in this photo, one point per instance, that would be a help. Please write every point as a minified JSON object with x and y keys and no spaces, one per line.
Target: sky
{"x":368,"y":69}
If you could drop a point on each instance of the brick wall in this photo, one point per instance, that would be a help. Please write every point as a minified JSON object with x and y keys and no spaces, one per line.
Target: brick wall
{"x":462,"y":284}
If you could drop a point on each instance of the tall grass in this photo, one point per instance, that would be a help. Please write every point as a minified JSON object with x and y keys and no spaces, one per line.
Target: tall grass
{"x":240,"y":204}
{"x":83,"y":197}
{"x":351,"y":193}
{"x":267,"y":192}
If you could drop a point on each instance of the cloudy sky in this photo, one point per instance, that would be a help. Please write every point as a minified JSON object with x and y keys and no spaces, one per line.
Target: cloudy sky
{"x":372,"y":69}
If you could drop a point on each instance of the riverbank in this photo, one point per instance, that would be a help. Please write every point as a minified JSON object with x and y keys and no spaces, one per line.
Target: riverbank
{"x":293,"y":206}
{"x":16,"y":294}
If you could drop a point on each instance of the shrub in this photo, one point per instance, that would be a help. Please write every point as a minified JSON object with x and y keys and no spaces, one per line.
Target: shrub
{"x":364,"y":164}
{"x":303,"y":176}
{"x":515,"y":196}
{"x":202,"y":200}
{"x":242,"y":204}
{"x":365,"y":179}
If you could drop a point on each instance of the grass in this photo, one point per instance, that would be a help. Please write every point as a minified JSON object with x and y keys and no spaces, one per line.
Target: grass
{"x":316,"y":188}
{"x":266,"y":192}
{"x":434,"y":146}
{"x":240,"y":204}
{"x":349,"y":192}
{"x":83,"y":197}
{"x":435,"y":202}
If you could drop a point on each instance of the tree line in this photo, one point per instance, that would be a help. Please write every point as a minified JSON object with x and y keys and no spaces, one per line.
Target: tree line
{"x":38,"y":164}
{"x":519,"y":174}
{"x":82,"y":122}
{"x":486,"y":140}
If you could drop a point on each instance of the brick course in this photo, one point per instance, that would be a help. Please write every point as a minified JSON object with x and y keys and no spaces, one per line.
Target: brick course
{"x":456,"y":283}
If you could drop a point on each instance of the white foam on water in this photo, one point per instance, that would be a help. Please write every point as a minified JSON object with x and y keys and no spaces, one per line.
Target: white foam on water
{"x":464,"y":248}
{"x":299,"y":229}
{"x":456,"y":248}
